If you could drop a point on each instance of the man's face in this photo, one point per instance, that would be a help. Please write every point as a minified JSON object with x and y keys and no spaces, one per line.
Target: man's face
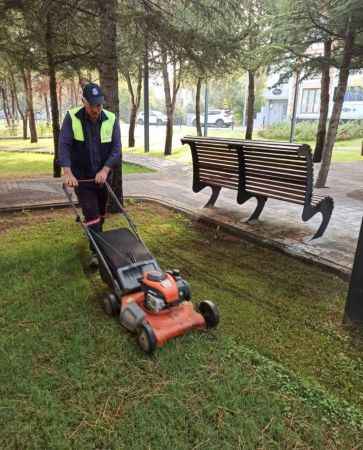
{"x":93,"y":111}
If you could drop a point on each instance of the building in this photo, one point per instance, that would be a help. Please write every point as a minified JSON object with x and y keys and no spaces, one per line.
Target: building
{"x":280,"y":98}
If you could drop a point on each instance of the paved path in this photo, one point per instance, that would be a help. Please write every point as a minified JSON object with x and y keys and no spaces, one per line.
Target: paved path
{"x":280,"y":223}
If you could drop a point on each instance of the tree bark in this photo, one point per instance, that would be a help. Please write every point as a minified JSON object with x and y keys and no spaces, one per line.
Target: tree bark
{"x":5,"y":106}
{"x":60,"y":98}
{"x":337,"y":108}
{"x":109,"y":78}
{"x":27,"y":78}
{"x":170,"y":98}
{"x":197,"y":107}
{"x":135,"y":103}
{"x":13,"y":109}
{"x":46,"y":104}
{"x":324,"y":102}
{"x":57,"y":171}
{"x":23,"y":115}
{"x":250,"y":104}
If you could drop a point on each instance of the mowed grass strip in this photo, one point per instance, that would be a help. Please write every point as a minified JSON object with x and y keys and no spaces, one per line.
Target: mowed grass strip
{"x":279,"y":372}
{"x":24,"y":165}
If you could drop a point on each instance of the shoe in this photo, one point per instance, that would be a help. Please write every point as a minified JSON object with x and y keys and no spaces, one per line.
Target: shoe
{"x":93,"y":264}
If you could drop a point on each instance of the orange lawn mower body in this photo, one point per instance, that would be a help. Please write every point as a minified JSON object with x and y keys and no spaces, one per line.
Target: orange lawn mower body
{"x":153,"y":304}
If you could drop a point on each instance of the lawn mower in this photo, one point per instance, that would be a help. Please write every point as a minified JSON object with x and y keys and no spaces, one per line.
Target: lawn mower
{"x":152,"y":303}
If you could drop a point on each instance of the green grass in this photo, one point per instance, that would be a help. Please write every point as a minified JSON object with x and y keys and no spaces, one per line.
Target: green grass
{"x":279,"y":373}
{"x":344,"y":151}
{"x":20,"y":165}
{"x":43,"y":145}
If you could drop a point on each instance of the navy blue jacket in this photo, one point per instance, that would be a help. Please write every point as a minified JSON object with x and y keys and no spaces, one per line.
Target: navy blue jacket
{"x":87,"y":158}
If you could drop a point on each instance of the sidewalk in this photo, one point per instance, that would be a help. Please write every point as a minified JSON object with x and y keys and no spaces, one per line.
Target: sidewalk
{"x":280,"y":224}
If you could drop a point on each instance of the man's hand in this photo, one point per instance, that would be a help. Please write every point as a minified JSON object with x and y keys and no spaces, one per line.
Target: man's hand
{"x":102,"y":175}
{"x":68,"y":177}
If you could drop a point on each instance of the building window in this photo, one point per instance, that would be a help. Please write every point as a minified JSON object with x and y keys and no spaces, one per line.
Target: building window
{"x":354,"y":94}
{"x":310,"y":101}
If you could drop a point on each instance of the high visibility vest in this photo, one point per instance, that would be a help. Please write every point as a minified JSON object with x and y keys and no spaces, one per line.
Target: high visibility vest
{"x":106,"y":126}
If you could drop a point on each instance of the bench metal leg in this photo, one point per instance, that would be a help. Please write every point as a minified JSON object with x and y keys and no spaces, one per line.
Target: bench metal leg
{"x":215,"y":193}
{"x":259,"y":208}
{"x":325,"y":208}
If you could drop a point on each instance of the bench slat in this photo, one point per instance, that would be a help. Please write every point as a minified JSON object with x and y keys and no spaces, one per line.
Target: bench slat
{"x":218,"y":166}
{"x":262,"y":158}
{"x":216,"y":182}
{"x":233,"y":175}
{"x":240,"y":142}
{"x":274,"y":154}
{"x":287,"y":197}
{"x":279,"y":166}
{"x":232,"y":160}
{"x":272,"y":172}
{"x":278,"y":189}
{"x":217,"y":154}
{"x":301,"y":184}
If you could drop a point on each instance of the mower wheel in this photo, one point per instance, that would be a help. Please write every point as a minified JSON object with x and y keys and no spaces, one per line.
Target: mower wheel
{"x":110,"y":305}
{"x":210,"y":313}
{"x":146,"y":338}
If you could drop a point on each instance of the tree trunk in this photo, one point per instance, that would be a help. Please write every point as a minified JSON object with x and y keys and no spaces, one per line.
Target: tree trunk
{"x":109,"y":78}
{"x":23,"y":115}
{"x":324,"y":102}
{"x":5,"y":106}
{"x":57,"y":171}
{"x":337,"y":109}
{"x":197,"y":107}
{"x":250,"y":104}
{"x":27,"y":78}
{"x":13,"y":110}
{"x":25,"y":125}
{"x":132,"y":124}
{"x":135,"y":103}
{"x":169,"y":110}
{"x":46,"y":104}
{"x":170,"y":99}
{"x":60,"y":102}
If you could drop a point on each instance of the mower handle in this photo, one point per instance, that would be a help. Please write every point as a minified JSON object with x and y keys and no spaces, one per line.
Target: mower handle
{"x":113,"y":195}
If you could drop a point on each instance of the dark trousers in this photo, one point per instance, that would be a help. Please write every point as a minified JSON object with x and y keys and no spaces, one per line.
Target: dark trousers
{"x":92,"y":198}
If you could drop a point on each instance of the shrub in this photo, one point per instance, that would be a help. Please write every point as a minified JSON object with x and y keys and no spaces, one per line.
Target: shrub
{"x":44,"y":129}
{"x":276,"y":131}
{"x":350,"y":130}
{"x":306,"y":131}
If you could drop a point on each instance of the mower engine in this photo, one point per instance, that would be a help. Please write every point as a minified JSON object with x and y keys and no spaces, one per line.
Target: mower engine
{"x":163,"y":290}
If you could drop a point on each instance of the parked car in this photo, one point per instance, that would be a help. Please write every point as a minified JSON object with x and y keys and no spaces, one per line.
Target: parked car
{"x":155,"y":118}
{"x":40,"y":115}
{"x":217,"y":117}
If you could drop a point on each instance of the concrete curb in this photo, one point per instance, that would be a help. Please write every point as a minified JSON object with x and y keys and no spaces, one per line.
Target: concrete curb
{"x":336,"y":269}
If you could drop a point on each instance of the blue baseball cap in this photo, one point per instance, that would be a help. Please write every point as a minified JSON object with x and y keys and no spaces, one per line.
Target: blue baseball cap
{"x":93,"y":94}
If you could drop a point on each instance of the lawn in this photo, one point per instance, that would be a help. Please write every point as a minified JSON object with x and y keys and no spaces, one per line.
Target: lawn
{"x":344,"y":151}
{"x":279,"y":373}
{"x":24,"y":165}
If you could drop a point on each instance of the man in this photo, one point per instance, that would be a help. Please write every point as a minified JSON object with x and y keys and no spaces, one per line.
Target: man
{"x":89,"y":148}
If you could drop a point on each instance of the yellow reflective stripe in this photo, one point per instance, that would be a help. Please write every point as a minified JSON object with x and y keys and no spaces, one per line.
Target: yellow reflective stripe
{"x":76,"y":125}
{"x":107,"y":127}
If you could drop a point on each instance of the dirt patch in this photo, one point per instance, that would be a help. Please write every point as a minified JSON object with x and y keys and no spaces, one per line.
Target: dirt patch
{"x":19,"y":219}
{"x":356,"y":195}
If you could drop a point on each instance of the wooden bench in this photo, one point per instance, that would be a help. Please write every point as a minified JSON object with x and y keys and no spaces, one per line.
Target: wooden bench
{"x":260,"y":169}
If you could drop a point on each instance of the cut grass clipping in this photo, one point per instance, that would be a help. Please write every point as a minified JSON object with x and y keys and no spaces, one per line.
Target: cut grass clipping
{"x":279,"y":373}
{"x":20,"y":165}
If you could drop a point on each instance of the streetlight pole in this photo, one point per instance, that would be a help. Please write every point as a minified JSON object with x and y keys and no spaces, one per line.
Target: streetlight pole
{"x":146,"y":98}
